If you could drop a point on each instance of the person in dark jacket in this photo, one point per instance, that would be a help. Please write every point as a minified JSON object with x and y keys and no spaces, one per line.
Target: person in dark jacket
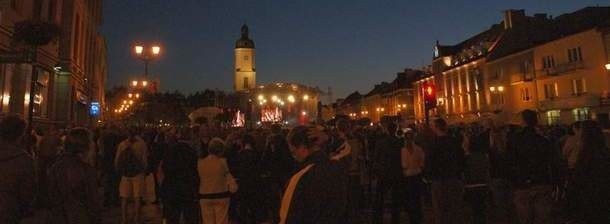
{"x":48,"y":148}
{"x":73,"y":183}
{"x":17,"y":176}
{"x":313,"y":194}
{"x":180,"y":185}
{"x":476,"y":173}
{"x":535,"y":166}
{"x":247,"y":174}
{"x":278,"y":166}
{"x":592,"y":177}
{"x":444,"y":167}
{"x":388,"y":168}
{"x":110,"y":140}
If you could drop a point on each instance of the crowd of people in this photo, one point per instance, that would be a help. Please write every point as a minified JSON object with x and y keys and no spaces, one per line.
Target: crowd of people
{"x":309,"y":174}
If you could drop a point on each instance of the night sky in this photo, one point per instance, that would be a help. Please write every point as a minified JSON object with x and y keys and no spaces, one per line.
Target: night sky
{"x":347,"y":44}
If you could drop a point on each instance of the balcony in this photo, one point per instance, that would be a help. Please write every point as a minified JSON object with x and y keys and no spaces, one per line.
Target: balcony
{"x":563,"y":68}
{"x":583,"y":100}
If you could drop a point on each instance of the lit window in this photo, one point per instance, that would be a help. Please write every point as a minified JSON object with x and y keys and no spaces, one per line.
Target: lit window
{"x":580,"y":114}
{"x":553,"y":117}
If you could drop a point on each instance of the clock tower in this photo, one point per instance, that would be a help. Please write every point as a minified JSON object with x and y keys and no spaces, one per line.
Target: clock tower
{"x":245,"y":66}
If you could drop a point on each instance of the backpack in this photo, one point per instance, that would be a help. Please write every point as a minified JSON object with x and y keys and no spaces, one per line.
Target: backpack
{"x":129,"y":165}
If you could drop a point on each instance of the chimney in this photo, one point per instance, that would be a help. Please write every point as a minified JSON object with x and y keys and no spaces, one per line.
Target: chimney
{"x":512,"y":16}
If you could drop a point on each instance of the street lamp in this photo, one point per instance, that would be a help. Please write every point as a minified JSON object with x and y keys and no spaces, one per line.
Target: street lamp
{"x":147,"y":55}
{"x":608,"y":66}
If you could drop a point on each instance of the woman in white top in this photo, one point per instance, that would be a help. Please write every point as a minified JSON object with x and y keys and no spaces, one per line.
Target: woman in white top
{"x":214,"y":190}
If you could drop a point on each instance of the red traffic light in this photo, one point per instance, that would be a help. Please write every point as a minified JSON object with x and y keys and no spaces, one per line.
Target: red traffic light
{"x":429,"y":90}
{"x":429,"y":95}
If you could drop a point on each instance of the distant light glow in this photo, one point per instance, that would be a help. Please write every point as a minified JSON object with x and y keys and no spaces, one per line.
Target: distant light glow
{"x":608,"y":66}
{"x":291,"y":98}
{"x":144,"y":83}
{"x":134,"y":83}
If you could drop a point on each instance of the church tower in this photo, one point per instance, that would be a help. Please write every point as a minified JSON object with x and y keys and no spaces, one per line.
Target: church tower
{"x":245,"y":66}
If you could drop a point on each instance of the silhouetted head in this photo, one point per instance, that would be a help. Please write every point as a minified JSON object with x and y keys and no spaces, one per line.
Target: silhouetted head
{"x":77,"y":141}
{"x":529,"y":117}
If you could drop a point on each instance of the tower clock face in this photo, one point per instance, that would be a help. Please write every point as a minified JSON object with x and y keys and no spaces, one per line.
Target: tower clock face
{"x":435,"y":51}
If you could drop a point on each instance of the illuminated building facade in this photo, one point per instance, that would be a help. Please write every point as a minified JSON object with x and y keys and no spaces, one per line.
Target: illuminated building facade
{"x":71,"y":70}
{"x":558,"y":67}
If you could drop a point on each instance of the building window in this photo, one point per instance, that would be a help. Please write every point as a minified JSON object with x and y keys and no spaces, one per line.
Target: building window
{"x":580,"y":114}
{"x":497,"y":74}
{"x":41,"y":94}
{"x":553,"y":117}
{"x":246,"y":84}
{"x":525,"y":70}
{"x":525,"y":94}
{"x":476,"y":83}
{"x":497,"y":98}
{"x":550,"y":91}
{"x":548,"y":61}
{"x":579,"y":87}
{"x":574,"y":54}
{"x":246,"y":58}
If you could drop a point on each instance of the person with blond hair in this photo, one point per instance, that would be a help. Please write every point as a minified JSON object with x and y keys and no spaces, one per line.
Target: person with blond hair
{"x":216,"y":183}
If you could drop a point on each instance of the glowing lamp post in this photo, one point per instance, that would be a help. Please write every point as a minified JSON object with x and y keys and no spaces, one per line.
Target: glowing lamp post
{"x":147,"y":54}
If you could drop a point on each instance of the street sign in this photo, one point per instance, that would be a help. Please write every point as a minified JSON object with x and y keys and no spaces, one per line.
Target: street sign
{"x":94,"y":109}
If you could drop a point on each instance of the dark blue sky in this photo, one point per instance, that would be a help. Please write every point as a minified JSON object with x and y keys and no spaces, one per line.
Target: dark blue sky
{"x":347,"y":44}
